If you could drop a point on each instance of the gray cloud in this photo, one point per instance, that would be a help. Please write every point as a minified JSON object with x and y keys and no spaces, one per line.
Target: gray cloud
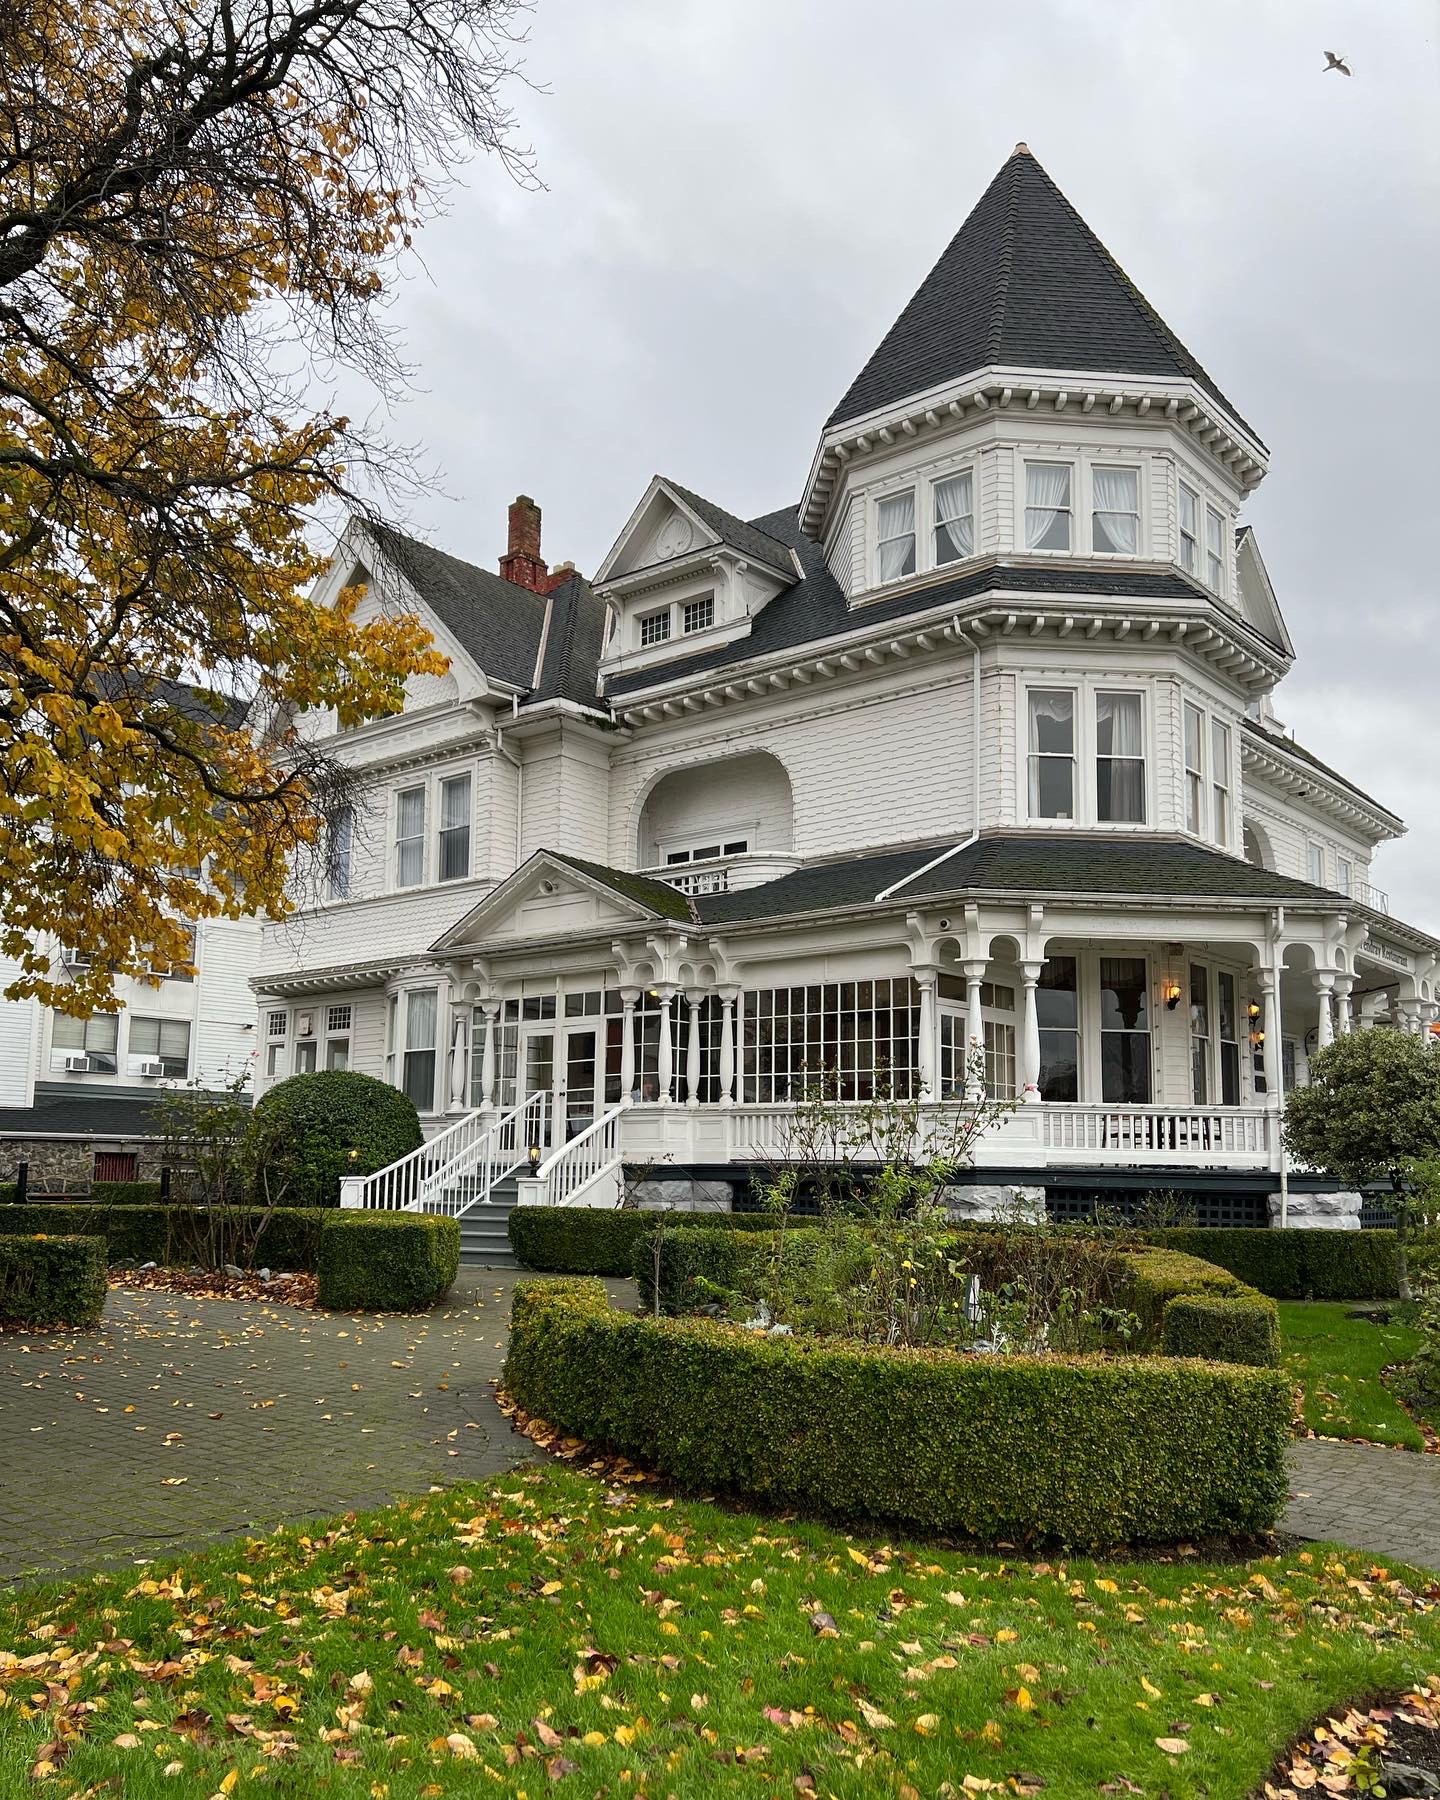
{"x":740,"y":198}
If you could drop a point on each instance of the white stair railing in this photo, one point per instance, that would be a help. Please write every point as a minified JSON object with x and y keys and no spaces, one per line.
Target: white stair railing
{"x":472,"y":1152}
{"x":577,"y":1165}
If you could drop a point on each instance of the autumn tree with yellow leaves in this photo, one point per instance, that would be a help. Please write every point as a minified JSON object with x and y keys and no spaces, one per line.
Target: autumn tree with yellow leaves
{"x":202,"y":203}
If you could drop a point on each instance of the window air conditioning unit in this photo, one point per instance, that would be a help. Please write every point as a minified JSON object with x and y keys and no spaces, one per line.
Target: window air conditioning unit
{"x":77,"y":1065}
{"x":305,"y":1025}
{"x":151,"y":1066}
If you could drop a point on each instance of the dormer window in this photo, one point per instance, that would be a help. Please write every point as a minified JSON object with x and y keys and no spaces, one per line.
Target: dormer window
{"x":1047,"y":506}
{"x":1189,"y":530}
{"x":1115,"y":511}
{"x":698,"y":615}
{"x":895,"y":534}
{"x":654,"y":627}
{"x":954,"y":517}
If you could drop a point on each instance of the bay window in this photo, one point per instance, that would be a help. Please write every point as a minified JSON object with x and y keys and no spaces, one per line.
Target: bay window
{"x":339,"y":850}
{"x":1057,"y":1008}
{"x":1214,"y":550}
{"x":1119,"y":759}
{"x":1115,"y":511}
{"x":1194,"y":769}
{"x":1124,"y":1031}
{"x":410,"y":837}
{"x":1189,"y":530}
{"x":954,"y":501}
{"x":1220,"y":780}
{"x":1052,"y":753}
{"x":418,"y":1074}
{"x":1047,"y":506}
{"x":895,"y":535}
{"x":454,"y":828}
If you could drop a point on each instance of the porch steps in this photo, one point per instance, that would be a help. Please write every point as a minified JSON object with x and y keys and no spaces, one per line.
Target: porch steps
{"x":484,"y":1238}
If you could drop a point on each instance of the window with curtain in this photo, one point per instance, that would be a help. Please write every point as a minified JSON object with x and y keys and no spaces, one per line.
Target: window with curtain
{"x":96,"y":1037}
{"x":1194,"y":768}
{"x":1199,"y":1034}
{"x":1119,"y":759}
{"x":339,"y":851}
{"x":1115,"y":512}
{"x":895,"y":535}
{"x":1229,"y":1025}
{"x":169,"y":1039}
{"x":1189,"y":529}
{"x":954,"y":517}
{"x":454,"y":828}
{"x":421,"y":1019}
{"x":1214,"y":550}
{"x":1124,"y":1031}
{"x":1047,"y":506}
{"x":410,"y":837}
{"x":1052,"y":753}
{"x":1220,"y":780}
{"x":1057,"y":1010}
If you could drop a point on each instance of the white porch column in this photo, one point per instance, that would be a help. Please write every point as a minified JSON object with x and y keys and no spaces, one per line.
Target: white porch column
{"x":1324,"y":987}
{"x":1345,"y":1017}
{"x":728,"y":998}
{"x":1030,"y":1034}
{"x":487,"y":1054}
{"x":976,"y":968}
{"x":666,"y":1065}
{"x":459,"y":1054}
{"x":1274,"y":1054}
{"x":692,"y":1050}
{"x":628,"y":998}
{"x":925,"y":981}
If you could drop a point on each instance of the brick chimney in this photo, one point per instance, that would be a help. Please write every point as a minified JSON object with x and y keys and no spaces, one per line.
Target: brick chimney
{"x":522,"y":562}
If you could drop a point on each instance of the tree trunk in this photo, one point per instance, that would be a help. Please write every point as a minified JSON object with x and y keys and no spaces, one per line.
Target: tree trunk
{"x":1402,"y":1232}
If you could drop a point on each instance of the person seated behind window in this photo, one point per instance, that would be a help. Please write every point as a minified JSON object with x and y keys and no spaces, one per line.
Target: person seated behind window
{"x":649,"y":1089}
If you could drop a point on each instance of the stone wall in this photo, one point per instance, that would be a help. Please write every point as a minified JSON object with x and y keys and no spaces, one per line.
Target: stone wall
{"x":1318,"y":1212}
{"x":66,"y":1165}
{"x":973,"y":1205}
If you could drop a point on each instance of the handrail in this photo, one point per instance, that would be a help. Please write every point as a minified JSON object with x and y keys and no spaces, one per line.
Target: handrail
{"x":591,"y":1153}
{"x":468,"y":1178}
{"x":415,"y":1180}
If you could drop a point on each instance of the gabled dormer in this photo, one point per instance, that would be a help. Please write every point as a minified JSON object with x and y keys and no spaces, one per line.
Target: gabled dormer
{"x":684,"y":576}
{"x":1029,"y":404}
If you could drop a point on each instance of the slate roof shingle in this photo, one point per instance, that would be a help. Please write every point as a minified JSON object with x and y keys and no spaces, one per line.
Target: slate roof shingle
{"x":668,"y":902}
{"x":750,"y":538}
{"x":1277,"y":740}
{"x":77,"y":1112}
{"x":1024,"y":283}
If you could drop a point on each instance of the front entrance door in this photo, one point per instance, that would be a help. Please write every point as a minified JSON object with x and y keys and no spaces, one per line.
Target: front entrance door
{"x":570,"y":1080}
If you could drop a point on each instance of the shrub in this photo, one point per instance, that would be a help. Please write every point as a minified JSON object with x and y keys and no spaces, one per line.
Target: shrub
{"x":312,"y":1123}
{"x":125,"y":1193}
{"x":1297,"y":1265}
{"x":1153,"y":1277}
{"x":290,"y":1239}
{"x":592,"y":1240}
{"x":1223,"y":1329}
{"x":387,"y":1262}
{"x":1090,"y":1452}
{"x":51,"y":1280}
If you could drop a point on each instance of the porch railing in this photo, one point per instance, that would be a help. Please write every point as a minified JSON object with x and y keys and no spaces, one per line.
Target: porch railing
{"x":1159,"y":1134}
{"x":455,"y":1170}
{"x":575,"y":1167}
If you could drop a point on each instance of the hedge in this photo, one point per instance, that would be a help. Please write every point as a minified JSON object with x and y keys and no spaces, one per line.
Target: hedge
{"x":387,"y":1262}
{"x":331,"y":1123}
{"x":1088,"y":1452}
{"x":1154,"y":1276}
{"x":592,"y":1240}
{"x":1296,"y":1265}
{"x":290,"y":1240}
{"x":51,"y":1280}
{"x":125,"y":1193}
{"x":1223,"y":1328}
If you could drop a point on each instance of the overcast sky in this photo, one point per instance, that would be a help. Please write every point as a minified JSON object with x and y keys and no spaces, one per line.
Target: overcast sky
{"x":741,"y":196}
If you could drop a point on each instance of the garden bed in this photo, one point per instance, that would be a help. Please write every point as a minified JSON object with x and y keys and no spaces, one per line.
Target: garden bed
{"x":274,"y":1289}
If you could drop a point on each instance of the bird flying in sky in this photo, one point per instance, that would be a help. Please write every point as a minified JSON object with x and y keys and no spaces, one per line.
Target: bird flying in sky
{"x":1332,"y":61}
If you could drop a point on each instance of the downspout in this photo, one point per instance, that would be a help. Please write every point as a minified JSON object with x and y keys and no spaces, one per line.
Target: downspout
{"x":1276,"y":1064}
{"x":519,"y":768}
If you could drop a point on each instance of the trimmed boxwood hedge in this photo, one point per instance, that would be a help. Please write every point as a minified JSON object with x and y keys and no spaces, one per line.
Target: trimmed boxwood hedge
{"x":125,"y":1193}
{"x":387,"y":1262}
{"x":1296,"y":1265}
{"x":290,"y":1240}
{"x":312,"y":1124}
{"x":1088,"y":1452}
{"x":51,"y":1280}
{"x":592,"y":1240}
{"x":1223,"y":1328}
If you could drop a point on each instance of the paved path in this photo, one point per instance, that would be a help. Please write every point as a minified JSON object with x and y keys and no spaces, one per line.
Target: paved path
{"x":1376,"y":1498}
{"x":182,"y":1421}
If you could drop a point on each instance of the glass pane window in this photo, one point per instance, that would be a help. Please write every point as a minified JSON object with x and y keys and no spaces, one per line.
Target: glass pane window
{"x":654,"y":627}
{"x":410,"y":837}
{"x":1344,"y":878}
{"x":1115,"y":516}
{"x":999,"y":1060}
{"x":1194,"y":768}
{"x":306,"y":1057}
{"x":339,"y":851}
{"x":1189,"y":530}
{"x":167,"y":1039}
{"x":1228,"y":1021}
{"x":1317,"y":865}
{"x":1119,"y":759}
{"x":274,"y":1060}
{"x":1199,"y":1034}
{"x":337,"y":1053}
{"x":698,"y":615}
{"x":96,"y":1037}
{"x":1047,"y":506}
{"x":954,"y":517}
{"x":1057,"y":1008}
{"x":1220,"y":780}
{"x":455,"y":828}
{"x":856,"y":1039}
{"x":275,"y":1023}
{"x":1052,"y":753}
{"x":1124,"y":1031}
{"x":895,"y":535}
{"x":418,"y":1075}
{"x":1214,"y":550}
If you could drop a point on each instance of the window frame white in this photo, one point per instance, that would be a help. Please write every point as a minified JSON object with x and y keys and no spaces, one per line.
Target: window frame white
{"x":133,"y":1053}
{"x":687,"y":607}
{"x":1193,"y":538}
{"x":1071,"y":467}
{"x":1195,"y":773}
{"x":1086,"y":688}
{"x":1109,"y":466}
{"x":1315,"y":862}
{"x":1145,"y":758}
{"x":1034,"y":756}
{"x":1345,"y":876}
{"x":1222,"y":809}
{"x":399,"y":844}
{"x":878,"y":501}
{"x":465,"y":827}
{"x":1214,"y":576}
{"x":654,"y":616}
{"x":966,"y":472}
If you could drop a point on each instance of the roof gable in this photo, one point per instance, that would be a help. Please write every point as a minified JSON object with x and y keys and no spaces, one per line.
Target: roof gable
{"x":552,"y":895}
{"x":1258,"y":603}
{"x":671,"y":522}
{"x":1024,"y":283}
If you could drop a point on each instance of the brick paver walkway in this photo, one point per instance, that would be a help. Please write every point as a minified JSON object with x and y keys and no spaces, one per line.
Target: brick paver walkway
{"x":1378,"y":1499}
{"x":183,"y":1420}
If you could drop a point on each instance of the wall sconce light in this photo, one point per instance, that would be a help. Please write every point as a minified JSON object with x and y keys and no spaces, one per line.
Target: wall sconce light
{"x":1254,"y":1009}
{"x":1172,"y":995}
{"x":1257,"y":1039}
{"x":654,"y":993}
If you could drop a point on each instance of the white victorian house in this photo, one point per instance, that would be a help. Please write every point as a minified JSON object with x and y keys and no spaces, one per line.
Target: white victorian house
{"x":975,"y":744}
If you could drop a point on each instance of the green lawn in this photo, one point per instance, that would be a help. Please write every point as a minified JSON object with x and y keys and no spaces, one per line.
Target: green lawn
{"x":1338,"y":1362}
{"x":547,"y":1633}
